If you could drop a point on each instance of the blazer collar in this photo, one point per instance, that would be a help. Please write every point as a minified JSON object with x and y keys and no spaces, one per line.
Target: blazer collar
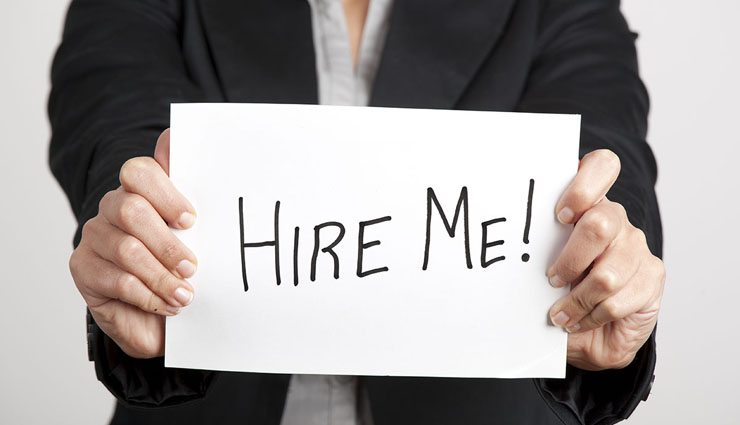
{"x":263,"y":50}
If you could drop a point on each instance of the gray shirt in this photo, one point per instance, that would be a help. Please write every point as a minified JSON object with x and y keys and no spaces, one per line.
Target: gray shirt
{"x":322,"y":399}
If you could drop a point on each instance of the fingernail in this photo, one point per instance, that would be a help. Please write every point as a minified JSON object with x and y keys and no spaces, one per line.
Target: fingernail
{"x":566,"y":215}
{"x":173,"y":310}
{"x":183,"y":296}
{"x":573,"y":328}
{"x":186,"y":220}
{"x":185,"y":268}
{"x":560,"y":319}
{"x":556,"y":281}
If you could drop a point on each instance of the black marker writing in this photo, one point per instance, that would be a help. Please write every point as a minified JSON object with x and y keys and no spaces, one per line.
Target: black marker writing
{"x":462,"y":204}
{"x":362,"y":245}
{"x":328,"y":249}
{"x":485,"y":244}
{"x":275,"y":243}
{"x":296,"y":235}
{"x":528,"y":221}
{"x":462,"y":209}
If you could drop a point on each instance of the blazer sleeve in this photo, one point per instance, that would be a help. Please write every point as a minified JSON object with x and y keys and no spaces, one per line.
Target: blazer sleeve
{"x":586,"y":64}
{"x":114,"y":76}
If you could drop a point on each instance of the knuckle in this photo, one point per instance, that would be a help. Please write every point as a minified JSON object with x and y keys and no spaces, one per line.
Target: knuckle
{"x":612,"y":310}
{"x":171,"y":252}
{"x":105,"y":200}
{"x":75,"y":268}
{"x":580,"y":305}
{"x":128,"y":249}
{"x":640,"y":237}
{"x":659,"y":268}
{"x":88,"y":229}
{"x":662,"y":274}
{"x":164,"y":283}
{"x":133,"y":170}
{"x":74,"y":263}
{"x":620,"y":211}
{"x":606,"y":279}
{"x":598,"y":227}
{"x":124,"y":286}
{"x":132,"y":210}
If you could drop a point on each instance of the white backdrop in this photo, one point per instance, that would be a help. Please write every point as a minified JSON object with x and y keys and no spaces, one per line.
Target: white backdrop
{"x":690,"y":61}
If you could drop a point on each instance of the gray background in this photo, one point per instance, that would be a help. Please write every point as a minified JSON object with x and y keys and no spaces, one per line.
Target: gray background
{"x":690,"y":61}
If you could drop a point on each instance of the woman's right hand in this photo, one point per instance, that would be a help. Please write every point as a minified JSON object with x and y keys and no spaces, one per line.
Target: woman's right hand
{"x":129,"y":266}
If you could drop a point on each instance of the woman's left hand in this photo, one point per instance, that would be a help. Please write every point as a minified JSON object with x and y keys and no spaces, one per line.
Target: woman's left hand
{"x":617,"y":283}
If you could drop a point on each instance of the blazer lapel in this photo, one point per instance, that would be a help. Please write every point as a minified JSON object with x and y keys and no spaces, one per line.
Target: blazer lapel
{"x":434,"y":48}
{"x":262,"y":49}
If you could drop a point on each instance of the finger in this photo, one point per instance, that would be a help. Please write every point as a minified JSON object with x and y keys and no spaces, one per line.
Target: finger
{"x":597,"y":172}
{"x":100,"y":281}
{"x":145,"y":177}
{"x":162,"y":151}
{"x":139,"y":334}
{"x":640,"y":294}
{"x":135,"y":215}
{"x":132,"y":256}
{"x":609,"y":275}
{"x":593,"y":233}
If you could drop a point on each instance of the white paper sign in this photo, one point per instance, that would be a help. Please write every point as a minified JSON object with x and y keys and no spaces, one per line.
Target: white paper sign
{"x":365,"y":201}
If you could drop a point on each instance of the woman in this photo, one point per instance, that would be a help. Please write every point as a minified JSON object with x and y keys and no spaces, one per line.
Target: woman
{"x":121,"y":64}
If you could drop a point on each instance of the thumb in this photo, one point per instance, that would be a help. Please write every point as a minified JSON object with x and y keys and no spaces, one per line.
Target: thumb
{"x":162,"y":151}
{"x":597,"y":172}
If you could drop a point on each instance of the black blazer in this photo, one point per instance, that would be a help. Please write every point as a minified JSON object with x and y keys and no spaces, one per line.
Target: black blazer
{"x":122,"y":62}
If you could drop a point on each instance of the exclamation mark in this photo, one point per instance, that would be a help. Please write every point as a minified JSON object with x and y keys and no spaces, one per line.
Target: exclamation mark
{"x":525,"y":238}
